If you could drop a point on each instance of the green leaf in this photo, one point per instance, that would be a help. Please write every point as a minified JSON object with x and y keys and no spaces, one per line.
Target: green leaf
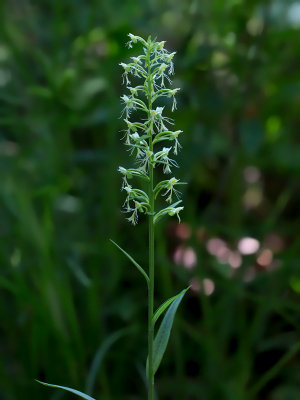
{"x":83,"y":395}
{"x":166,"y":304}
{"x":163,"y":334}
{"x":133,"y":261}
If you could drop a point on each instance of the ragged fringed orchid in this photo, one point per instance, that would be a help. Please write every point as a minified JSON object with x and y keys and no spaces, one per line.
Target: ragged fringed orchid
{"x":149,"y":137}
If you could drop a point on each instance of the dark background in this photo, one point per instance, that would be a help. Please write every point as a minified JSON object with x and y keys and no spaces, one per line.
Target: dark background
{"x":73,"y":309}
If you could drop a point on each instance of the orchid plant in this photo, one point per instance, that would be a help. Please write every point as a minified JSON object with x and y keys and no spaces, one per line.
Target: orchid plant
{"x":152,"y":141}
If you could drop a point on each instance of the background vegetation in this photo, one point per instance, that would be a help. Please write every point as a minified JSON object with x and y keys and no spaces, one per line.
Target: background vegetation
{"x":73,"y":310}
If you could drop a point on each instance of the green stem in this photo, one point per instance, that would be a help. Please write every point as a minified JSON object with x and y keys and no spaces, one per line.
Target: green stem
{"x":151,"y":248}
{"x":151,"y":291}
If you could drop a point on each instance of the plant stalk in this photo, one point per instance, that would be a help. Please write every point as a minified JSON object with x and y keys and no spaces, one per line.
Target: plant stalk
{"x":151,"y":248}
{"x":151,"y":293}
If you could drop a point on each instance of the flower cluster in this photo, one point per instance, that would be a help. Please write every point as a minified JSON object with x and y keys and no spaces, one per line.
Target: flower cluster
{"x":146,"y":137}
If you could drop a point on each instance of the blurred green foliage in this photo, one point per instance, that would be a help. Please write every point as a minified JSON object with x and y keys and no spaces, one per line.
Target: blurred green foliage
{"x":73,"y":310}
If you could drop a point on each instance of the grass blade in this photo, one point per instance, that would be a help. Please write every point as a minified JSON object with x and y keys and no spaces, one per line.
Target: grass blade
{"x":83,"y":395}
{"x":272,"y":372}
{"x":103,"y":349}
{"x":133,"y":261}
{"x":166,"y":304}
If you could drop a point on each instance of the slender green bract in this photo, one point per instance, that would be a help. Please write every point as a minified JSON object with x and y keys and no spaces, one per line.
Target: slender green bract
{"x":145,"y":136}
{"x":133,"y":261}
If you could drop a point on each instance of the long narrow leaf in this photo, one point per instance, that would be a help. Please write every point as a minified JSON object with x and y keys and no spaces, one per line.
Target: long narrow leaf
{"x":166,"y":304}
{"x":163,"y":334}
{"x":83,"y":395}
{"x":133,"y":261}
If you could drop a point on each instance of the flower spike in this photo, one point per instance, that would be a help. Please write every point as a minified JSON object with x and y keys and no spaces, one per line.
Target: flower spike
{"x":143,"y":137}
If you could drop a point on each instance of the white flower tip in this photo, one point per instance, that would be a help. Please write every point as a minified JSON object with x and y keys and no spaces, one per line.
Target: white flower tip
{"x":133,"y":37}
{"x":173,"y":181}
{"x":122,"y":170}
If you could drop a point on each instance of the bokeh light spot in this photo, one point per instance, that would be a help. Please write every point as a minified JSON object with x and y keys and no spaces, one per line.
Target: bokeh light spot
{"x":248,"y":245}
{"x":251,"y":174}
{"x":265,"y":258}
